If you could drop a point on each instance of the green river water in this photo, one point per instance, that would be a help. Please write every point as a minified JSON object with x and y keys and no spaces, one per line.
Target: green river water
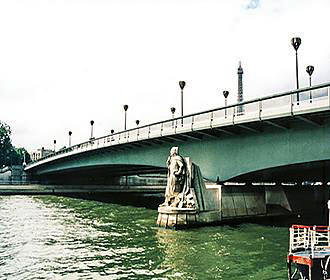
{"x":48,"y":237}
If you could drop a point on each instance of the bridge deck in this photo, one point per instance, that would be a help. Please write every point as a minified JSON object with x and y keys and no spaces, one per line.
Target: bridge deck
{"x":267,"y":110}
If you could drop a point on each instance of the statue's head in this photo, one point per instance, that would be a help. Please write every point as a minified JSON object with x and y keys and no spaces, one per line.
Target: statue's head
{"x":174,"y":151}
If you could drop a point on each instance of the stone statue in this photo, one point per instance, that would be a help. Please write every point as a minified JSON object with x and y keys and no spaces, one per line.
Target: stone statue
{"x":177,"y":189}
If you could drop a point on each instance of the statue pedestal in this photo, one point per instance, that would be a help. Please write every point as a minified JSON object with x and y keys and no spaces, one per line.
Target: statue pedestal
{"x":171,"y":217}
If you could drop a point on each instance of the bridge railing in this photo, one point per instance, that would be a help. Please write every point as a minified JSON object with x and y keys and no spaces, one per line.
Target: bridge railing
{"x":306,"y":100}
{"x":309,"y":238}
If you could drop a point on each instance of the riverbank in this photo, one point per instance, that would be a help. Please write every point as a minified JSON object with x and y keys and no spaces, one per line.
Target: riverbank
{"x":37,"y":189}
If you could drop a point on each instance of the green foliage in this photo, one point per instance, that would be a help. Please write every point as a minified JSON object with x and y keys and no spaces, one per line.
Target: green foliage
{"x":21,"y":152}
{"x":9,"y":155}
{"x":5,"y":144}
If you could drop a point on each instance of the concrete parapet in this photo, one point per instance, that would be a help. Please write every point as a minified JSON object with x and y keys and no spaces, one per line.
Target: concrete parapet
{"x":242,"y":201}
{"x":13,"y":175}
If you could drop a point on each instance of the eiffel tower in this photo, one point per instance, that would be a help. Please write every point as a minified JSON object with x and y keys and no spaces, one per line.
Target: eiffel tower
{"x":240,"y":109}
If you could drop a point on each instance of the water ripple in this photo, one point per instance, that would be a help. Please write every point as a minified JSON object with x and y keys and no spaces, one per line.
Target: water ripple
{"x":64,"y":238}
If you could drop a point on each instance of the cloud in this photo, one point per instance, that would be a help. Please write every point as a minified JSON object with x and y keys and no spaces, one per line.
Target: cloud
{"x":253,"y":4}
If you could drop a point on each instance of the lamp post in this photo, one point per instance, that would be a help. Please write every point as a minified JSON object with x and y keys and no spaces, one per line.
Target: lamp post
{"x":182,"y":85}
{"x":54,"y":146}
{"x":125,"y":109}
{"x":225,"y":94}
{"x":296,"y":42}
{"x":173,"y":112}
{"x":137,"y":124}
{"x":70,"y":133}
{"x":92,"y":124}
{"x":310,"y":70}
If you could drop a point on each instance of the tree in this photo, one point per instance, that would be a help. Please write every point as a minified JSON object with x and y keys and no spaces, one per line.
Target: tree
{"x":5,"y":144}
{"x":9,"y":155}
{"x":21,"y":152}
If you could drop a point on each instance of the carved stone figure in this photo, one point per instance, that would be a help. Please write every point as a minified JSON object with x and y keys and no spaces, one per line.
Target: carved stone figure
{"x":177,"y":188}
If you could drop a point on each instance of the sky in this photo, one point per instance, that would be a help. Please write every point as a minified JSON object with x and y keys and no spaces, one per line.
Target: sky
{"x":64,"y":63}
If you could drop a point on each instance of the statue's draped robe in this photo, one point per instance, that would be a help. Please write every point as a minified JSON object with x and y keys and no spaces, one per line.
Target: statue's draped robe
{"x":176,"y":176}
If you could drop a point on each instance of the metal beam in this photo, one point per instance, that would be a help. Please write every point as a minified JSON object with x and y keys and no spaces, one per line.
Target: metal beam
{"x":136,"y":145}
{"x":310,"y":121}
{"x":226,"y":131}
{"x":193,"y":137}
{"x":149,"y":142}
{"x":145,"y":142}
{"x":177,"y":138}
{"x":204,"y":133}
{"x":126,"y":147}
{"x":165,"y":139}
{"x":282,"y":126}
{"x":117,"y":148}
{"x":248,"y":128}
{"x":156,"y":141}
{"x":129,"y":147}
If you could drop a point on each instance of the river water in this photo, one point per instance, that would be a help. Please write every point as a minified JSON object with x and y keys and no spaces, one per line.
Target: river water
{"x":48,"y":237}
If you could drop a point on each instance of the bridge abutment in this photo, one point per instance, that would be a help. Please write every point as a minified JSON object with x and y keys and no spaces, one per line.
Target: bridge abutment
{"x":252,"y":203}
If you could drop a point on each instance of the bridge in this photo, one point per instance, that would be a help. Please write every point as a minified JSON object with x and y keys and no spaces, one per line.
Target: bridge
{"x":283,"y":137}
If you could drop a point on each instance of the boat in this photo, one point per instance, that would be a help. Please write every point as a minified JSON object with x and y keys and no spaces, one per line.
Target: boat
{"x":309,"y":253}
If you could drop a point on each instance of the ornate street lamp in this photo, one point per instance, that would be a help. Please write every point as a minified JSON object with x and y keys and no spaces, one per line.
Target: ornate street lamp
{"x":92,"y":123}
{"x":173,"y":112}
{"x":125,"y":108}
{"x":137,"y":124}
{"x":296,"y":42}
{"x":182,"y":85}
{"x":225,"y":94}
{"x":70,"y":133}
{"x":310,"y":70}
{"x":54,"y":146}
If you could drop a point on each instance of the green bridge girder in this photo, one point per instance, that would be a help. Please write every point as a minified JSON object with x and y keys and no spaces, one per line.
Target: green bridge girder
{"x":293,"y":148}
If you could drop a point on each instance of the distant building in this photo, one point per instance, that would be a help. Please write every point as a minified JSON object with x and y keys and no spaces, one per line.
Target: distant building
{"x":240,"y":109}
{"x":40,"y":153}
